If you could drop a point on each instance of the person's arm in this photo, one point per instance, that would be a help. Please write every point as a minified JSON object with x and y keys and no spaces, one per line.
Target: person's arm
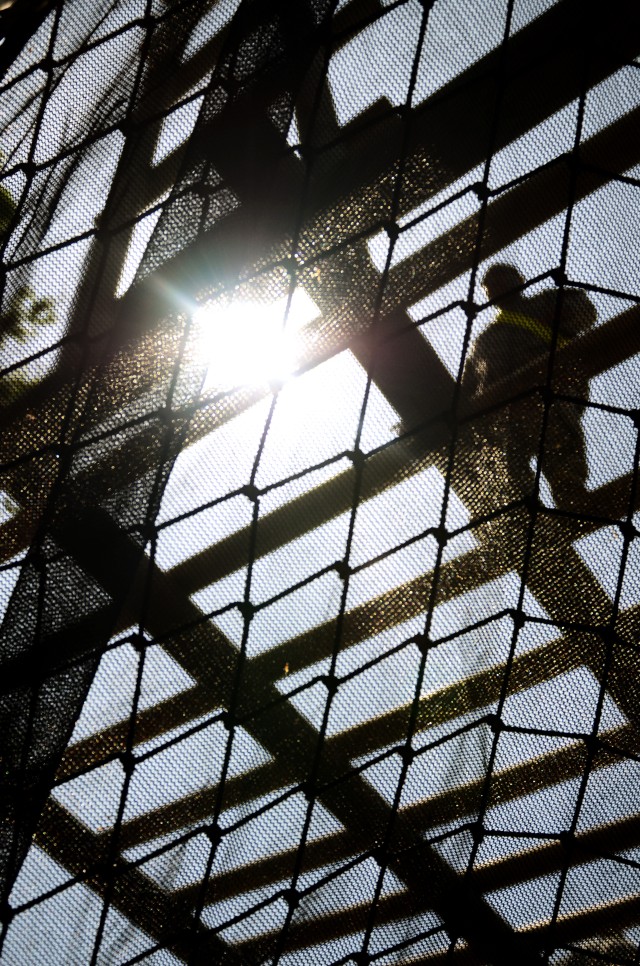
{"x":578,"y":313}
{"x":475,"y":370}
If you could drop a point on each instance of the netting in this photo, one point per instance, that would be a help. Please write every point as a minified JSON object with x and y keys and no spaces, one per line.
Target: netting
{"x":319,"y":509}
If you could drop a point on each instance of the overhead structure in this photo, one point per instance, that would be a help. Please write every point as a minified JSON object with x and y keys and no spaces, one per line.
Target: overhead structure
{"x":296,"y":668}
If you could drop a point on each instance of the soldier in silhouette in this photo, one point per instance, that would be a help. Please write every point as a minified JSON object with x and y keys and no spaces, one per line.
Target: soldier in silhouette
{"x":522,"y":332}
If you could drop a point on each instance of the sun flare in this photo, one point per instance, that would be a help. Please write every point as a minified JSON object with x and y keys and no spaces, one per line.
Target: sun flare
{"x":248,"y":343}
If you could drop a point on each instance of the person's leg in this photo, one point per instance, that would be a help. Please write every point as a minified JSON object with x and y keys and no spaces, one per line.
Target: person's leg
{"x":521,"y":443}
{"x":564,"y":460}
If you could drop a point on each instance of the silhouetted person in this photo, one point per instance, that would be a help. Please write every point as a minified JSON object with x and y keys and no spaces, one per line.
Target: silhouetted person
{"x":521,"y":333}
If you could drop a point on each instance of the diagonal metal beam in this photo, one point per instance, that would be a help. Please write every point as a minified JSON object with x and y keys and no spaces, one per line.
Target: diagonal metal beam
{"x":544,"y":58}
{"x":416,"y":400}
{"x":283,"y":732}
{"x":511,"y":872}
{"x":545,"y":62}
{"x":543,"y":195}
{"x":162,"y":915}
{"x":529,"y":47}
{"x":595,"y":352}
{"x":473,"y":693}
{"x":518,"y":211}
{"x":456,"y":804}
{"x":296,"y":653}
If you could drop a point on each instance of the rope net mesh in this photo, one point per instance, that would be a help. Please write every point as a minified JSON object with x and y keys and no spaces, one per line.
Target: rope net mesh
{"x":319,"y":510}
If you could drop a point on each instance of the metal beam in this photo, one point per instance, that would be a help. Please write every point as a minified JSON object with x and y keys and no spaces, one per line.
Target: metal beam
{"x":457,"y":804}
{"x":165,"y":917}
{"x":286,"y":734}
{"x":542,"y":72}
{"x":508,"y":873}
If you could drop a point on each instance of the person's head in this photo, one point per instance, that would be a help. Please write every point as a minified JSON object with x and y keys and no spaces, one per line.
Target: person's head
{"x":502,"y":280}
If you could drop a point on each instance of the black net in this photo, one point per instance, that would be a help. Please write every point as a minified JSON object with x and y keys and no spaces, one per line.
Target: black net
{"x":319,"y":514}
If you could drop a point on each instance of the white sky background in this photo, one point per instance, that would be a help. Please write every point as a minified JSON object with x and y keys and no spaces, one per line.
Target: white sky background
{"x":315,"y":419}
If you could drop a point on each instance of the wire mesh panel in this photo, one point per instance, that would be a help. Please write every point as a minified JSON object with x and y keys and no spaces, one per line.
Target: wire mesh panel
{"x":319,"y":514}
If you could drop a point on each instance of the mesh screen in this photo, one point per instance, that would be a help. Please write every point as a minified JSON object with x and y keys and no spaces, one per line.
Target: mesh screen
{"x":319,"y":507}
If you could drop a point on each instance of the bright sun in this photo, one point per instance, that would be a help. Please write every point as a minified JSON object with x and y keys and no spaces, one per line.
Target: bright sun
{"x":248,"y":343}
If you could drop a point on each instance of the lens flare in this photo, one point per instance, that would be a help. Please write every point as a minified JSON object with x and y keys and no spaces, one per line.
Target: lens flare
{"x":249,"y":343}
